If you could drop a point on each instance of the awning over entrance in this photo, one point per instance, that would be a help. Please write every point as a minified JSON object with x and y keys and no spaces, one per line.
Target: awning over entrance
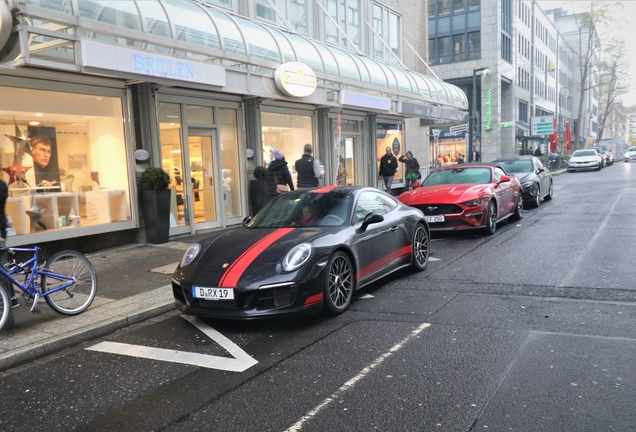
{"x":203,"y":33}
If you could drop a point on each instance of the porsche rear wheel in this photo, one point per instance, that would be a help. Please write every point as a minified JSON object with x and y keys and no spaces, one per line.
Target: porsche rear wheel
{"x":339,"y":283}
{"x":491,"y":219}
{"x":420,"y":248}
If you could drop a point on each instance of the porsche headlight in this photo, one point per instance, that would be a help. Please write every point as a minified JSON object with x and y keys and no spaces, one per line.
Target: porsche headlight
{"x":526,"y":184}
{"x":190,"y":254}
{"x":476,"y":202}
{"x":297,"y":256}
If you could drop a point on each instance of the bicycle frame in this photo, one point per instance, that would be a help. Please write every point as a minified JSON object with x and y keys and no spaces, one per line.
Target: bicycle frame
{"x":31,"y":286}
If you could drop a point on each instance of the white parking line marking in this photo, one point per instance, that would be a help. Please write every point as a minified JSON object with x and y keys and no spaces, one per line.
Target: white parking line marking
{"x":241,"y":361}
{"x":167,"y":269}
{"x":353,"y":381}
{"x":363,"y":296}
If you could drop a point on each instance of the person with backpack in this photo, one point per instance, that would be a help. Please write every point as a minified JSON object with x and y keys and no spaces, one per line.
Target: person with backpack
{"x":278,"y":178}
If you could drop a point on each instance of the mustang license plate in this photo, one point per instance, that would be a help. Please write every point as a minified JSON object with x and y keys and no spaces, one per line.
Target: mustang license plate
{"x":213,"y":293}
{"x":437,"y":218}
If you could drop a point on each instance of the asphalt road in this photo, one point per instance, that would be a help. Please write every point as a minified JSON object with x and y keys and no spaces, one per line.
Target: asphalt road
{"x":531,"y":329}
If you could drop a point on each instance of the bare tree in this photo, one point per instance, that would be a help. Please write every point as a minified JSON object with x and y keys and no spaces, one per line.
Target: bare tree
{"x":585,"y":44}
{"x":614,"y":82}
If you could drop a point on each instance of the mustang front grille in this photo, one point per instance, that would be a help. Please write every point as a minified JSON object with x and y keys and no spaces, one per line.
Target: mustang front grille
{"x":439,"y":209}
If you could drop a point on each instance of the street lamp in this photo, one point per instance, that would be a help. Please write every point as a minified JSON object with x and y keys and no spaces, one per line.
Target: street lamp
{"x":472,"y":119}
{"x":569,"y":98}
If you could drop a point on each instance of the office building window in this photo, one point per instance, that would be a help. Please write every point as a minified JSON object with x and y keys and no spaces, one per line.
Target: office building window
{"x":347,"y":14}
{"x":523,"y":111}
{"x":458,"y":7}
{"x":443,"y":45}
{"x":459,"y":48}
{"x":474,"y":45}
{"x":296,"y":12}
{"x":443,"y":8}
{"x":432,"y":57}
{"x":474,"y":5}
{"x":388,"y":28}
{"x":506,"y":48}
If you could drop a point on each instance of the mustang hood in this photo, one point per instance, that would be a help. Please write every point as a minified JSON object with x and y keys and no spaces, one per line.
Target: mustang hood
{"x":230,"y":255}
{"x":443,"y":194}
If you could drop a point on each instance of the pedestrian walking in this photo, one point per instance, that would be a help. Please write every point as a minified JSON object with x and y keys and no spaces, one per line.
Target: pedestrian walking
{"x":412,"y":168}
{"x":308,"y":169}
{"x":278,"y":178}
{"x":388,"y":168}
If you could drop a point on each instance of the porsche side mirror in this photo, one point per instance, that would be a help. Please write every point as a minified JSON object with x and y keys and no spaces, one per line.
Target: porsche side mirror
{"x":246,"y":221}
{"x":504,"y":178}
{"x":371,"y":218}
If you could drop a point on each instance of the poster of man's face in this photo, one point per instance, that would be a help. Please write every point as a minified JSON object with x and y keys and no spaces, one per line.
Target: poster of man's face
{"x":44,"y":152}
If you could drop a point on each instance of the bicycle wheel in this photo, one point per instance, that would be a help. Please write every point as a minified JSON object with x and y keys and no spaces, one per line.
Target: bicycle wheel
{"x":5,"y":306}
{"x":76,"y":298}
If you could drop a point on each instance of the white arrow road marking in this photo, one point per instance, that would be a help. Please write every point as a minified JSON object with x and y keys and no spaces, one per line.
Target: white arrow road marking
{"x":241,"y":361}
{"x":433,"y":259}
{"x":363,"y":296}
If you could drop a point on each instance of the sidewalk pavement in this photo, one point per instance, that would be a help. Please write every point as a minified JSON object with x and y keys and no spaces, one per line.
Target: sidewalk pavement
{"x":133,"y":284}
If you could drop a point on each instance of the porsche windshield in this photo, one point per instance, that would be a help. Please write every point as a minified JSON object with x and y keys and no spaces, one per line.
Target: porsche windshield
{"x":307,"y":209}
{"x":458,"y":176}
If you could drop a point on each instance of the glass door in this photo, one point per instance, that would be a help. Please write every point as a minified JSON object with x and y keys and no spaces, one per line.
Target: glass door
{"x":201,"y":184}
{"x":346,"y":164}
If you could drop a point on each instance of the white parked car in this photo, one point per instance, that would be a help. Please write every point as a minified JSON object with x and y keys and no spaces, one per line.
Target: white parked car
{"x":584,"y":160}
{"x":630,"y":154}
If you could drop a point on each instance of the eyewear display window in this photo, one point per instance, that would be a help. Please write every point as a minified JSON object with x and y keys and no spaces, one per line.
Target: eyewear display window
{"x":390,"y":135}
{"x":65,"y":163}
{"x":288,"y":133}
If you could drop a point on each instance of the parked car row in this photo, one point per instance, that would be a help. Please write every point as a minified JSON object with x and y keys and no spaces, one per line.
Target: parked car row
{"x":630,"y":154}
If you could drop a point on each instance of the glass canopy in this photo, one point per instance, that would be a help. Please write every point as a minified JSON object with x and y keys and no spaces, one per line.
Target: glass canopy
{"x":191,"y":29}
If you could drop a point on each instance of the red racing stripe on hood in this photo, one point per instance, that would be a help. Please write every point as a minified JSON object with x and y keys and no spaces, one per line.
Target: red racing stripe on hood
{"x":325,"y":189}
{"x":234,"y":272}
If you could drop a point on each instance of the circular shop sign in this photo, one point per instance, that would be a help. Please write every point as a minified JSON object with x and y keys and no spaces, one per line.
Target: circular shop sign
{"x":141,"y":155}
{"x":295,"y":79}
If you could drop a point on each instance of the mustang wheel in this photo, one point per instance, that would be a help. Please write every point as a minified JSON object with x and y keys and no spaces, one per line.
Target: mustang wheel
{"x":518,"y":214}
{"x":548,"y":197}
{"x":420,"y":249}
{"x":339,"y":283}
{"x":491,"y":220}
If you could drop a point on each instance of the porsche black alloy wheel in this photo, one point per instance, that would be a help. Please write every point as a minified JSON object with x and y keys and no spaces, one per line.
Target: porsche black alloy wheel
{"x":420,"y":249}
{"x":339,"y":283}
{"x":491,"y":220}
{"x":518,"y":214}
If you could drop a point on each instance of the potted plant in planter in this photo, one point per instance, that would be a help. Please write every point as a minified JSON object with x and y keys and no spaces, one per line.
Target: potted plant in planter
{"x":258,"y":189}
{"x":155,"y":202}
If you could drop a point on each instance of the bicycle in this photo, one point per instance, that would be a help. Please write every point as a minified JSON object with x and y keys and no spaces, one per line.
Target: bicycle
{"x":68,"y":282}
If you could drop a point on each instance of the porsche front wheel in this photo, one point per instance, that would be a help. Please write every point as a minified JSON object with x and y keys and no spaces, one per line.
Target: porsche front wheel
{"x":420,"y":248}
{"x":491,"y":219}
{"x":339,"y":283}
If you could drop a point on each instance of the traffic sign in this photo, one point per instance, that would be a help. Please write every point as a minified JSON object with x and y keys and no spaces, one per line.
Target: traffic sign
{"x":542,"y":125}
{"x":458,"y":128}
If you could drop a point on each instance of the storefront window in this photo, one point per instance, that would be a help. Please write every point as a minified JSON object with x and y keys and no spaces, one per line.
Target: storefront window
{"x":172,"y":160}
{"x":450,"y":147}
{"x":230,"y":163}
{"x":65,"y":163}
{"x":390,"y":135}
{"x":288,"y":133}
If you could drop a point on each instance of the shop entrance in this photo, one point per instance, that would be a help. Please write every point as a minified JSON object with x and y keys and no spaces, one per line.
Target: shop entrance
{"x":349,"y":154}
{"x":200,"y":184}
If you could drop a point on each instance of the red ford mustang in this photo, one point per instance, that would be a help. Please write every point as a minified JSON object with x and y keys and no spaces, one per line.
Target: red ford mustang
{"x":467,"y":196}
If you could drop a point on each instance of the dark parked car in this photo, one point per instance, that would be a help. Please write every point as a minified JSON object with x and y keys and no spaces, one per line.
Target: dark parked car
{"x":608,"y":157}
{"x":535,"y":179}
{"x":305,"y":251}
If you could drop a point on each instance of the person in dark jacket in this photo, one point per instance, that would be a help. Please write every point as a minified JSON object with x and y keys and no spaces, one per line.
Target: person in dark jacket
{"x":412,"y":168}
{"x":308,"y":169}
{"x":388,"y":168}
{"x":278,"y":174}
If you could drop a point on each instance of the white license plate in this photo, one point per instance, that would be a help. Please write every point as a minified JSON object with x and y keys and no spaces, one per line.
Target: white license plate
{"x":213,"y":293}
{"x":433,"y":219}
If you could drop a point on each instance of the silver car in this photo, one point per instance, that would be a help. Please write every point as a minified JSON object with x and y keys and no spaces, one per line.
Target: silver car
{"x":585,"y":160}
{"x":630,"y":154}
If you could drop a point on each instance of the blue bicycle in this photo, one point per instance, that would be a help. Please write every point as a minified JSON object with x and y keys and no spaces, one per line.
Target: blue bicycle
{"x":67,"y":281}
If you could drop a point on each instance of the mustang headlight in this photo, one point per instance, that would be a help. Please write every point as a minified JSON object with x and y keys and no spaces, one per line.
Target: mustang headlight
{"x":476,"y":202}
{"x":190,"y":254}
{"x":297,"y":256}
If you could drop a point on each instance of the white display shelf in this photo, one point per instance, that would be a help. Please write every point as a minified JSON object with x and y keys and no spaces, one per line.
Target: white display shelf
{"x":52,"y":205}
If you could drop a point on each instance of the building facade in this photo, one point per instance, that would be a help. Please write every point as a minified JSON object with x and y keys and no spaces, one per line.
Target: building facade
{"x":207,"y":90}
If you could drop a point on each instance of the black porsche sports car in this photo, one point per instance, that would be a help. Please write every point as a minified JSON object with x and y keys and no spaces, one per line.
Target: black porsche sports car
{"x":305,"y":251}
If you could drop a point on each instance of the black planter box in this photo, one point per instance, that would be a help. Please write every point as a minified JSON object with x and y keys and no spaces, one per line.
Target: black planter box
{"x":156,"y":211}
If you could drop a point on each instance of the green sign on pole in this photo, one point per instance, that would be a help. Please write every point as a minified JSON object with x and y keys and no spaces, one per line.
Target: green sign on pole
{"x":542,"y":125}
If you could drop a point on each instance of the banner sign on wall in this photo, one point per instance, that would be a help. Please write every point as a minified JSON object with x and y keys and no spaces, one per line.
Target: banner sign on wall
{"x":362,"y":100}
{"x":115,"y":58}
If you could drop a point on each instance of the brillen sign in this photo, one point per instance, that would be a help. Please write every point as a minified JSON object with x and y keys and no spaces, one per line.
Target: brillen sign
{"x":295,"y":79}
